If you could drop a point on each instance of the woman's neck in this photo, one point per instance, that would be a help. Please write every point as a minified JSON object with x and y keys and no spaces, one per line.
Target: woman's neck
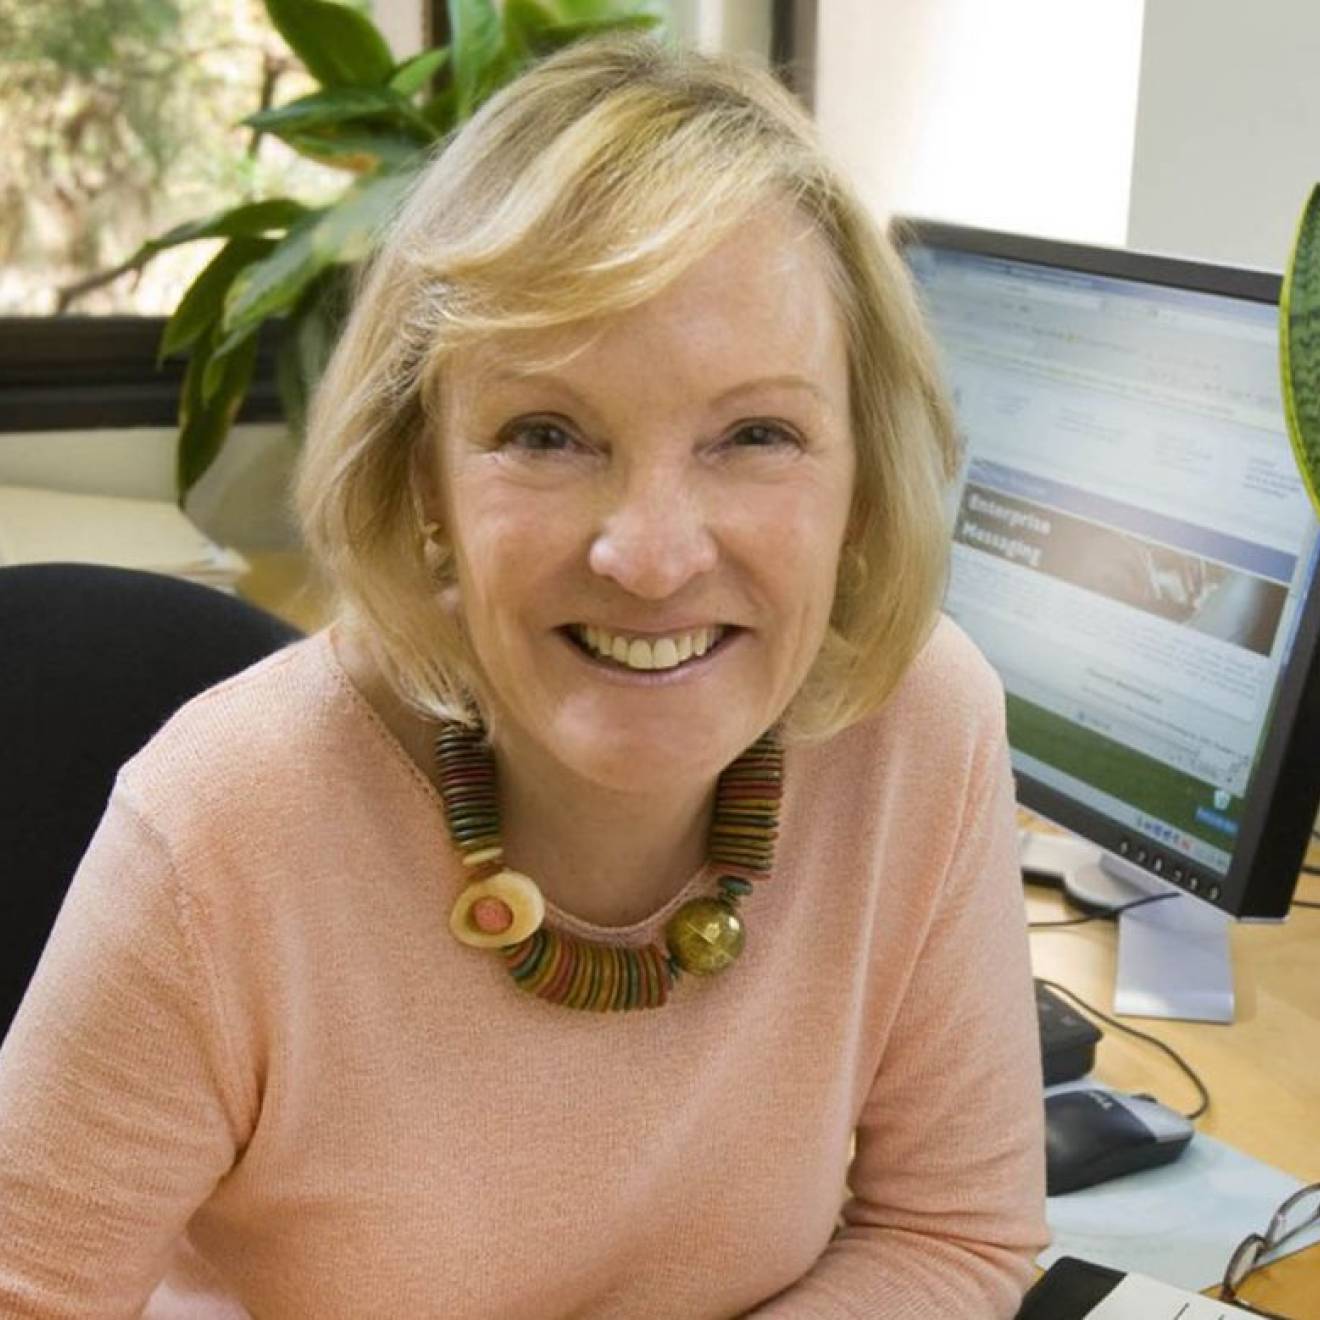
{"x":607,"y":857}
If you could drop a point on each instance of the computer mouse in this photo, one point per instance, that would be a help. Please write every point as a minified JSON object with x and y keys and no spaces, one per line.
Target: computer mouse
{"x":1092,"y":1136}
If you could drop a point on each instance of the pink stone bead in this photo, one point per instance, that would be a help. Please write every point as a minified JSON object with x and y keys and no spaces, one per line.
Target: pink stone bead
{"x":491,"y":915}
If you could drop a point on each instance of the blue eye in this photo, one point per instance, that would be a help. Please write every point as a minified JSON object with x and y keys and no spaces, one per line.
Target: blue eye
{"x":763,"y":435}
{"x":537,"y":436}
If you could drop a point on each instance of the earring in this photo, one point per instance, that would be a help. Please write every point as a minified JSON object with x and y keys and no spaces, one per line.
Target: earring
{"x":435,"y":550}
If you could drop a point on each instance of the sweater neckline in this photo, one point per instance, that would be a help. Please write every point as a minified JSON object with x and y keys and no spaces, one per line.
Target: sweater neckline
{"x":648,"y":928}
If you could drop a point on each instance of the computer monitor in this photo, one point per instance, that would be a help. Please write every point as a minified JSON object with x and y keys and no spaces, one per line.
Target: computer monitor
{"x":1134,"y":551}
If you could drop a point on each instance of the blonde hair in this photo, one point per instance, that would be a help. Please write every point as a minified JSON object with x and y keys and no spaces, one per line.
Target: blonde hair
{"x":582,"y":189}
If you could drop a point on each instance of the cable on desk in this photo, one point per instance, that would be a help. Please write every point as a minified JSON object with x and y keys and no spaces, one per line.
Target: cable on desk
{"x":1141,"y":1035}
{"x":1102,"y":914}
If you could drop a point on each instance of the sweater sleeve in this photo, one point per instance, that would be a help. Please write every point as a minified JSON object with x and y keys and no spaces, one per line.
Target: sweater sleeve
{"x":947,"y":1193}
{"x":118,"y":1111}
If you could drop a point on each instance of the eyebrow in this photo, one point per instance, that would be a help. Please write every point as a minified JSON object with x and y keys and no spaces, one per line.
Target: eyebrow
{"x":788,"y":380}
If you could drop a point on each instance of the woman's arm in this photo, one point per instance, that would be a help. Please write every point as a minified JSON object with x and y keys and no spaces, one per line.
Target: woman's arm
{"x":947,"y":1183}
{"x":118,"y":1105}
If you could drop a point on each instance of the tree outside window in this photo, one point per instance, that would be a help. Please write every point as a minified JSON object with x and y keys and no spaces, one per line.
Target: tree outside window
{"x":120,"y":118}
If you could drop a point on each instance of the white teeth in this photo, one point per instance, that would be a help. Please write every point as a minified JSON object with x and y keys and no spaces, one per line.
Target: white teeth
{"x":639,"y":653}
{"x":664,"y":654}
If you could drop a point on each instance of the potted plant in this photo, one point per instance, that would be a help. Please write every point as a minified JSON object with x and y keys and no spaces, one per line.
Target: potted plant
{"x":376,"y":119}
{"x":1299,"y":344}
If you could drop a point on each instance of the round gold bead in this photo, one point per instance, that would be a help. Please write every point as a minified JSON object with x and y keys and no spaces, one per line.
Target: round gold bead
{"x":705,"y":935}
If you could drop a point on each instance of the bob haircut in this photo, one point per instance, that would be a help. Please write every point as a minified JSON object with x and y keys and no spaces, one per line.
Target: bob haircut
{"x":583,"y":189}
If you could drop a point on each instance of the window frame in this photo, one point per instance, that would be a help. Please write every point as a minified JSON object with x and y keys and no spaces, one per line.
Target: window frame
{"x":79,"y":373}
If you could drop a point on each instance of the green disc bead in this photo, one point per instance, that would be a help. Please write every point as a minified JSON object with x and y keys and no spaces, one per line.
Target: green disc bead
{"x":705,"y":936}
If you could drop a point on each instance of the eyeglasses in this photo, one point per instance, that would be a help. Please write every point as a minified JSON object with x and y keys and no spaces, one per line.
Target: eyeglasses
{"x":1299,"y":1211}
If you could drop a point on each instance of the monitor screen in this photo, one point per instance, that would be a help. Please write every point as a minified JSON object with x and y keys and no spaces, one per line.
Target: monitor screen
{"x":1134,"y":551}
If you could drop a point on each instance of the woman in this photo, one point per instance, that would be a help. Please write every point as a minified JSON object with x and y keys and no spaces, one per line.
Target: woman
{"x":536,"y":940}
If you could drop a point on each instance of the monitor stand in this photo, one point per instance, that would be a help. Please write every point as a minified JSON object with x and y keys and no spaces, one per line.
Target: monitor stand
{"x":1174,"y":959}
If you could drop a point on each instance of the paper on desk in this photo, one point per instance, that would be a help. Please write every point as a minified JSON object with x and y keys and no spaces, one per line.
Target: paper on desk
{"x":1179,"y":1223}
{"x":1140,"y":1298}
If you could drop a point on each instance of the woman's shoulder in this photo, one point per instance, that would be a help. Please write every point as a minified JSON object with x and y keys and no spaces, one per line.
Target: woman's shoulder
{"x":277,"y":720}
{"x":950,"y":694}
{"x":951,"y":681}
{"x":946,"y":714}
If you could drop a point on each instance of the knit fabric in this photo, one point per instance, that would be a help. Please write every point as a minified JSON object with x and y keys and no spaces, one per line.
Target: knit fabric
{"x":256,"y":1074}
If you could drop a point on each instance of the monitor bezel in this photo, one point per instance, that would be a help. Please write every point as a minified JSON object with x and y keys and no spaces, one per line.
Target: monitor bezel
{"x":1284,"y":790}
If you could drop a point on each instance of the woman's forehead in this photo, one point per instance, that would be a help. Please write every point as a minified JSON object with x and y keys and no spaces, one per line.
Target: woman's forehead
{"x":762,"y":300}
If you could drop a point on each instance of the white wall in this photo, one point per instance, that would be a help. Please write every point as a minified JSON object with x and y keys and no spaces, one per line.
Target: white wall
{"x":742,"y":26}
{"x":1016,"y":114}
{"x":1192,"y":127}
{"x":1228,"y":128}
{"x":402,"y":22}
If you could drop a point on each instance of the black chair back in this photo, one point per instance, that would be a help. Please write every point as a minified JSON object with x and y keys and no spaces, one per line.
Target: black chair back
{"x":93,"y":660}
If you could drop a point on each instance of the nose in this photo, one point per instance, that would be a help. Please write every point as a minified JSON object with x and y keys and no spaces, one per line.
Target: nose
{"x":655,"y":537}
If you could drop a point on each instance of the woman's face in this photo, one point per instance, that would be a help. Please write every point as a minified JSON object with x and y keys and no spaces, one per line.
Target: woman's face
{"x":674,"y":493}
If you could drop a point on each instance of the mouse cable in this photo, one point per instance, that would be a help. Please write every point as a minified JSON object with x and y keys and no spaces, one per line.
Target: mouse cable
{"x":1141,"y":1035}
{"x":1101,"y":914}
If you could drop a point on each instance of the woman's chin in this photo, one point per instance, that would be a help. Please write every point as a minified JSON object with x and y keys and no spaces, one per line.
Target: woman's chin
{"x":645,"y":758}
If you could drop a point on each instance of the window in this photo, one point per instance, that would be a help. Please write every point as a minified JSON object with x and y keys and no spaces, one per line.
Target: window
{"x":120,"y":124}
{"x":124,"y":122}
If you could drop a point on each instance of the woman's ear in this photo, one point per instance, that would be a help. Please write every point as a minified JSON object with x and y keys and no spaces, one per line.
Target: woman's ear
{"x":425,"y":483}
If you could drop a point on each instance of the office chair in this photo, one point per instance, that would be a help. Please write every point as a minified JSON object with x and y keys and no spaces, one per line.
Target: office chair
{"x":93,"y":660}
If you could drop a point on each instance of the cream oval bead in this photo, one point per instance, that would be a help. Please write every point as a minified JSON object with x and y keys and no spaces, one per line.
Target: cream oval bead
{"x":517,"y":892}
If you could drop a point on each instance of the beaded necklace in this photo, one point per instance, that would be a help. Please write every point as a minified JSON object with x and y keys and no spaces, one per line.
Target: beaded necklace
{"x":504,"y":910}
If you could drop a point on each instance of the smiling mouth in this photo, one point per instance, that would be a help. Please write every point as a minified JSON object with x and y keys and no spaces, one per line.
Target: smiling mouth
{"x":647,"y":653}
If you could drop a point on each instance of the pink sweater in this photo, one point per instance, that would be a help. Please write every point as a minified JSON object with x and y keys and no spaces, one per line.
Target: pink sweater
{"x":255,"y":1069}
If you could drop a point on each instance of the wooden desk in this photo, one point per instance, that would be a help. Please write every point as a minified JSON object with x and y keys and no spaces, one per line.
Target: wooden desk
{"x":1262,"y":1072}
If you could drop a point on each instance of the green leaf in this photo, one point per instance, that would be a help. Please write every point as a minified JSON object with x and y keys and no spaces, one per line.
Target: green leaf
{"x":604,"y":12}
{"x":441,"y":111}
{"x":356,"y":150}
{"x":249,"y":220}
{"x":342,"y":234}
{"x":339,"y":46}
{"x":225,"y":346}
{"x":307,"y":339}
{"x":342,"y":105}
{"x":412,"y":75}
{"x":201,"y":306}
{"x":482,"y":61}
{"x":557,"y":35}
{"x":1299,"y":346}
{"x":204,"y":423}
{"x":537,"y":27}
{"x":524,"y":22}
